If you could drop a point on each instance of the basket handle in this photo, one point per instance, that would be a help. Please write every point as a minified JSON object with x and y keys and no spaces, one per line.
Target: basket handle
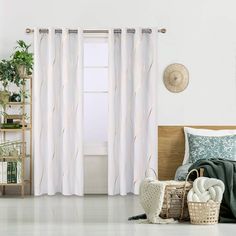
{"x":153,"y":172}
{"x":183,"y":196}
{"x":190,"y":172}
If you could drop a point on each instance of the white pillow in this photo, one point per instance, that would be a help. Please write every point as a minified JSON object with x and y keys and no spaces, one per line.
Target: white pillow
{"x":202,"y":132}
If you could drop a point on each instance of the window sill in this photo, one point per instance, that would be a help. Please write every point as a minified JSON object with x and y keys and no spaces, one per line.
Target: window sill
{"x":96,"y":149}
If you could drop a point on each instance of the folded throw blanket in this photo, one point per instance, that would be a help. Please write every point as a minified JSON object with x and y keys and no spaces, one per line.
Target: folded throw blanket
{"x":151,"y":198}
{"x":205,"y":189}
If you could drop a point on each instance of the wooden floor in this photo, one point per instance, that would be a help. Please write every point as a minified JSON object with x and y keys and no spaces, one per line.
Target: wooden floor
{"x":90,"y":215}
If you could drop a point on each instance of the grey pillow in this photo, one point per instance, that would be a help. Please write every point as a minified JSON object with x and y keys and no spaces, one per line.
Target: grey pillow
{"x":182,"y":172}
{"x":208,"y":147}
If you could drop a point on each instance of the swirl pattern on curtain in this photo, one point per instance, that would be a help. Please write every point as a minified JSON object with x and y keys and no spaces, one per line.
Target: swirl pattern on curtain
{"x":132,"y":144}
{"x":58,"y":113}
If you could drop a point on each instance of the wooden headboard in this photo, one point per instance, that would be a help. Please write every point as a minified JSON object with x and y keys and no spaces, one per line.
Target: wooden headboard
{"x":171,"y":145}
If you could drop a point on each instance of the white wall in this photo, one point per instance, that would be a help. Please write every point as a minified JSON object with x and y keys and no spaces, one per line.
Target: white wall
{"x":201,"y":34}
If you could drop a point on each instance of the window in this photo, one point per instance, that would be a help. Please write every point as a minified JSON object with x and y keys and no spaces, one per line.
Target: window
{"x":95,"y":92}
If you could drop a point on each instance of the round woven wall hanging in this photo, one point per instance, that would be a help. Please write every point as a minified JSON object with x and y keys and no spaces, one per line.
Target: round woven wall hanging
{"x":176,"y":78}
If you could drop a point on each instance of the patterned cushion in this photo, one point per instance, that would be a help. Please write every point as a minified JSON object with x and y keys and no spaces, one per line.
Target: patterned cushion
{"x":205,"y":147}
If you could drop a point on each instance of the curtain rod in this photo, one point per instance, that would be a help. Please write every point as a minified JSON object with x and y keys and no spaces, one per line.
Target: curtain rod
{"x":29,"y":31}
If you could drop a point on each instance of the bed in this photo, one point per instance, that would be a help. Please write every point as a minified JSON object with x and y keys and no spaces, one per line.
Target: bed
{"x":171,"y":147}
{"x":215,"y":153}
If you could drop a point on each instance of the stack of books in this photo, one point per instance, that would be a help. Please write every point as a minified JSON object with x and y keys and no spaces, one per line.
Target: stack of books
{"x":10,"y":172}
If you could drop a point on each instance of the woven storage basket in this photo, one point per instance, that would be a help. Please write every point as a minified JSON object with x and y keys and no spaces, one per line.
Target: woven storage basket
{"x":175,"y":200}
{"x":204,"y":213}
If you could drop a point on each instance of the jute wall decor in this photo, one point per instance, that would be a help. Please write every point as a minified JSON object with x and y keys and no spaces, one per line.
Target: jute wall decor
{"x":176,"y":78}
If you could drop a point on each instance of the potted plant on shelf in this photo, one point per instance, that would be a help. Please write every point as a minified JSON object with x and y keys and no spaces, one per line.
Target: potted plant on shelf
{"x":23,"y":61}
{"x":15,"y":71}
{"x":4,"y":97}
{"x":7,"y":75}
{"x":15,"y":97}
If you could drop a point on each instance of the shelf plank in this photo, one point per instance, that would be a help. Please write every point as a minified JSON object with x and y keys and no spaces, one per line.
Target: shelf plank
{"x":18,"y":103}
{"x":10,"y":184}
{"x":15,"y":130}
{"x":10,"y":158}
{"x":15,"y":184}
{"x":14,"y":158}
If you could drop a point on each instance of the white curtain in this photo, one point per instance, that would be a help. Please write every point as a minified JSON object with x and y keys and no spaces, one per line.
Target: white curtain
{"x":132,"y":140}
{"x":58,"y":112}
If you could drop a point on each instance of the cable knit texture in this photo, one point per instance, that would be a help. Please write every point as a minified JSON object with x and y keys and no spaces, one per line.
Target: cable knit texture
{"x":151,"y":198}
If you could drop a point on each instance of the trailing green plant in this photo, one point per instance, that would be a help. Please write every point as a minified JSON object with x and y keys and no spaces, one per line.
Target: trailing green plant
{"x":15,"y":97}
{"x":22,"y":57}
{"x":24,"y":93}
{"x":18,"y":96}
{"x":7,"y":72}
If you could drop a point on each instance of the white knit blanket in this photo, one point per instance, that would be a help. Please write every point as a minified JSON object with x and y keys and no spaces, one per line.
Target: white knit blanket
{"x":206,"y":189}
{"x":151,"y":198}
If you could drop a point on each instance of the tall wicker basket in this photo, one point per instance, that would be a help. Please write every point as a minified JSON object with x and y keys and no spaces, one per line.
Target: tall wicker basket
{"x":175,"y":200}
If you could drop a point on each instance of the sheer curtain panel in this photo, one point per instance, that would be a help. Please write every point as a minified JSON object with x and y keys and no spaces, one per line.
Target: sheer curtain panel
{"x":58,"y":113}
{"x":132,"y":109}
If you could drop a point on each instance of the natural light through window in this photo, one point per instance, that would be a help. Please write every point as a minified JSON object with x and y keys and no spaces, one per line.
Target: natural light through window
{"x":95,"y":91}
